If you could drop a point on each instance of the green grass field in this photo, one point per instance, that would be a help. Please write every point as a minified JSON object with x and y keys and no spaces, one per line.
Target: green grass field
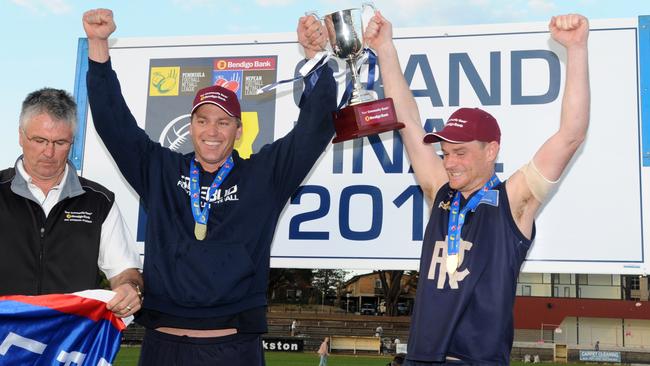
{"x":128,"y":356}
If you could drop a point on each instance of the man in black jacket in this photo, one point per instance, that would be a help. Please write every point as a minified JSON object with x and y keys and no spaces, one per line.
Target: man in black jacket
{"x":58,"y":229}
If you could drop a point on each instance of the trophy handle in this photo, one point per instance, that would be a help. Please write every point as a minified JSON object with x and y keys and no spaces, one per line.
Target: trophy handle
{"x":368,"y":4}
{"x":364,"y":6}
{"x":313,"y":13}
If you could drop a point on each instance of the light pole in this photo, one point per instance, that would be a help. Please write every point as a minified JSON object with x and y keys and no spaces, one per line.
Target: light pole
{"x":347,"y":302}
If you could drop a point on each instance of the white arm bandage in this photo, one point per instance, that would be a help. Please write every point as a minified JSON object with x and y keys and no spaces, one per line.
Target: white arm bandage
{"x":537,"y":183}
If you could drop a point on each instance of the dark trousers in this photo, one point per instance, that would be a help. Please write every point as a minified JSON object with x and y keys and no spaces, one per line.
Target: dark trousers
{"x":161,"y":349}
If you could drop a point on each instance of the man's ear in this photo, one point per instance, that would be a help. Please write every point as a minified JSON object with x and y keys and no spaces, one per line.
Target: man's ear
{"x":21,"y":136}
{"x":239,"y":132}
{"x":492,"y":150}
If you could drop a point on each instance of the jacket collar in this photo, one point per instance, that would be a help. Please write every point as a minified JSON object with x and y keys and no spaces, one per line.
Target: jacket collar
{"x":71,"y":186}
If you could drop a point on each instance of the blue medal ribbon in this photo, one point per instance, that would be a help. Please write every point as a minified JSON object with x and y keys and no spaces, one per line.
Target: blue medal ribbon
{"x":457,"y":215}
{"x":311,"y":76}
{"x":201,"y":216}
{"x":372,"y":62}
{"x":347,"y":94}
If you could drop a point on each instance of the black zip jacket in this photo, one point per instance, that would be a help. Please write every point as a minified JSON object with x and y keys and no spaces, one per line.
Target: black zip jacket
{"x":57,"y":254}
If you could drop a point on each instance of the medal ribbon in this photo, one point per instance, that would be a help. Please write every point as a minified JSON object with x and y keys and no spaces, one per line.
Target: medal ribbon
{"x":370,"y":56}
{"x":457,"y":219}
{"x":201,"y":216}
{"x":308,"y":69}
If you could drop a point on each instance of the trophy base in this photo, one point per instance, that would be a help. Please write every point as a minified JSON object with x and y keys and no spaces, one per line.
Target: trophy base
{"x":364,"y":119}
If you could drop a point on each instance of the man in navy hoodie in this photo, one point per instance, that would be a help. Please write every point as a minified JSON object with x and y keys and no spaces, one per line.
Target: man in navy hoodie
{"x":207,"y":259}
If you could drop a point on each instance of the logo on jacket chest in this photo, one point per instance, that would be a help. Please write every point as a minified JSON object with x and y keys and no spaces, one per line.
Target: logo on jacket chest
{"x":78,"y":216}
{"x":216,"y":197}
{"x":438,"y":267}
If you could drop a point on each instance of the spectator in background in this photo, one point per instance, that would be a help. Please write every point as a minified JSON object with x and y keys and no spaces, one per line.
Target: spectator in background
{"x":396,"y":343}
{"x":597,"y":346}
{"x":294,"y":325}
{"x":323,"y":351}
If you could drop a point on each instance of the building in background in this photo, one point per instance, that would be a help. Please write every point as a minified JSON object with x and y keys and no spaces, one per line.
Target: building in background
{"x":582,"y":309}
{"x":367,"y":295}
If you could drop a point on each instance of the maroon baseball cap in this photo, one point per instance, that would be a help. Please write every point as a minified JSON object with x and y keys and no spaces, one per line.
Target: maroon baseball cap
{"x":223,"y":98}
{"x":465,"y":125}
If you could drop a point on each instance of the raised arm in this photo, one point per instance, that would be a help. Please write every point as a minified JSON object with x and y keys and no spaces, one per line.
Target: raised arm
{"x":294,"y":155}
{"x":429,"y":171}
{"x":98,"y":25}
{"x":551,"y":159}
{"x":127,"y":143}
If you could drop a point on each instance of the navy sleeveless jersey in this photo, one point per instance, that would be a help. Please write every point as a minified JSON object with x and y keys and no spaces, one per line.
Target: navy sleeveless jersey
{"x":468,"y":315}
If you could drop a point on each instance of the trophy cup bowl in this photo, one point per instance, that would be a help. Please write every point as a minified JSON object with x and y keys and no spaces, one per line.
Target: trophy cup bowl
{"x":364,"y":115}
{"x":345,"y":33}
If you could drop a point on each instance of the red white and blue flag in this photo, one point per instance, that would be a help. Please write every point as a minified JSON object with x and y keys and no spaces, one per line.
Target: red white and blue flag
{"x":71,"y":329}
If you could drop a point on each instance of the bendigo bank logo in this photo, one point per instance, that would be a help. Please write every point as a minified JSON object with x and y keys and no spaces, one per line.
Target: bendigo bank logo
{"x":164,"y":81}
{"x":221,"y":65}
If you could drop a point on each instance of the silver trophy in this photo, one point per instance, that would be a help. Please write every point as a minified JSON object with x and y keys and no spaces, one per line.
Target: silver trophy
{"x":345,"y":33}
{"x":364,"y":115}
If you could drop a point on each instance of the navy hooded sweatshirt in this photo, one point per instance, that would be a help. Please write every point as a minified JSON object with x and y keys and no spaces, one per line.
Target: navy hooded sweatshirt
{"x":219,"y":282}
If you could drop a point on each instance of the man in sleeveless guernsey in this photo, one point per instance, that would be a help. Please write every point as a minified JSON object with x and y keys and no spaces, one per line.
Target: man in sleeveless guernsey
{"x":480,"y":228}
{"x":207,"y":260}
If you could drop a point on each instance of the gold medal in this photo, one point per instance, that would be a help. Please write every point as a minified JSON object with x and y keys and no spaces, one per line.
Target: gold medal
{"x":452,"y":263}
{"x":200,"y":230}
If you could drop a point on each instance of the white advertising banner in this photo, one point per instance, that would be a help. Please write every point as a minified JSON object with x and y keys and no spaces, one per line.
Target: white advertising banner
{"x":360,"y":208}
